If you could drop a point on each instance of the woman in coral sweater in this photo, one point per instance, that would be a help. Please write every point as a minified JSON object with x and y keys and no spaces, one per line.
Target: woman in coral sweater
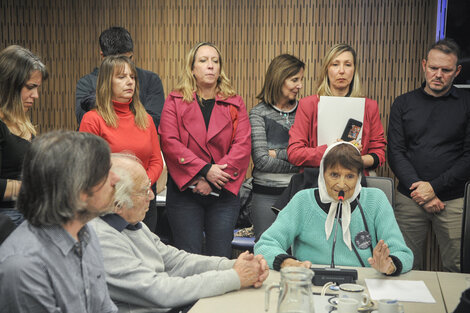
{"x":121,"y":119}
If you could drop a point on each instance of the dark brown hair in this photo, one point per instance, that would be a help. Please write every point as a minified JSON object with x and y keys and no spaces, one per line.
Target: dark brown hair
{"x":345,"y":155}
{"x":447,"y":46}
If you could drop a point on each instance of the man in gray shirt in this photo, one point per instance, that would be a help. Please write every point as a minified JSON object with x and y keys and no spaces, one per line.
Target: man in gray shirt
{"x":145,"y":275}
{"x":52,"y":261}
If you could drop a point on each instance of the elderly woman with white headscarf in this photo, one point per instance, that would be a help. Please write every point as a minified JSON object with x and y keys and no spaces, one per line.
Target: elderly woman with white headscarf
{"x":368,"y":234}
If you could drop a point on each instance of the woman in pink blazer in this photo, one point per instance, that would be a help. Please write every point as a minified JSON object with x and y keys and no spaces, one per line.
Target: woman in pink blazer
{"x":205,"y":139}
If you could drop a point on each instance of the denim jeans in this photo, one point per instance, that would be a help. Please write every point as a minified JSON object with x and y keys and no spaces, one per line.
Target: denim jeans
{"x":191,"y":216}
{"x":260,"y":212}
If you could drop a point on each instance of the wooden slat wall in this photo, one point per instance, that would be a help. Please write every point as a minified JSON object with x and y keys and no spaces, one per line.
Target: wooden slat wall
{"x":390,"y":37}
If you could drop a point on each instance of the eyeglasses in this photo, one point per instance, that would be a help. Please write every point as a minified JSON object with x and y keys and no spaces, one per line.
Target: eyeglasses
{"x":147,"y":192}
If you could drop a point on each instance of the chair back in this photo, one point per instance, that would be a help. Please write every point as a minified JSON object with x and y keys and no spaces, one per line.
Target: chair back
{"x":385,"y":184}
{"x":465,"y":240}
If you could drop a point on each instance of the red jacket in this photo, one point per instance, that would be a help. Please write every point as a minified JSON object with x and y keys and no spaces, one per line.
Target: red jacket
{"x":303,"y":149}
{"x":187,"y":146}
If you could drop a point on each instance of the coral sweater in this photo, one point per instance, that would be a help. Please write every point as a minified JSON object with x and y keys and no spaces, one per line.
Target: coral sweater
{"x":128,"y":137}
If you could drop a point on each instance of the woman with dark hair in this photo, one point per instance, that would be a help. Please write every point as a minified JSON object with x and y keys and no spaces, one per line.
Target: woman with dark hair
{"x":205,"y":136}
{"x":21,"y":75}
{"x":339,"y":77}
{"x":367,"y":234}
{"x":121,"y":119}
{"x":270,"y":121}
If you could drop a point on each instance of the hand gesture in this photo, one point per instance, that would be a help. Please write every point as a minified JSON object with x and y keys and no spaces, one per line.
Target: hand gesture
{"x":381,"y":259}
{"x":217,"y":176}
{"x":435,"y":205}
{"x":422,"y":192}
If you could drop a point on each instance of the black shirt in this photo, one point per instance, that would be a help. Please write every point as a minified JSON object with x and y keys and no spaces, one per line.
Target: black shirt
{"x":12,"y":151}
{"x":429,"y":140}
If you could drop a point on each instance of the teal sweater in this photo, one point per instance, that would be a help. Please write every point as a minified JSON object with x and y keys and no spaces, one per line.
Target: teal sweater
{"x":301,"y":224}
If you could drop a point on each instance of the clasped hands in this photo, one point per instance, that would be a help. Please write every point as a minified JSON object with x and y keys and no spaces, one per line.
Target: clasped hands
{"x":216,"y":176}
{"x":251,"y":269}
{"x":423,"y":194}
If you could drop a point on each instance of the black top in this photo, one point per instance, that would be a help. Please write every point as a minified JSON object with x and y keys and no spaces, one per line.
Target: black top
{"x":429,"y":140}
{"x":12,"y":151}
{"x":464,"y":304}
{"x":206,"y":110}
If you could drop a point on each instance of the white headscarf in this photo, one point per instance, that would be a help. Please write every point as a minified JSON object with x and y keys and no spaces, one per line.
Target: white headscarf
{"x":346,"y":208}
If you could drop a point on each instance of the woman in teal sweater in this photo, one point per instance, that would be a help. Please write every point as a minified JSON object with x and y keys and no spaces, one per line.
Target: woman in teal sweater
{"x":368,"y":234}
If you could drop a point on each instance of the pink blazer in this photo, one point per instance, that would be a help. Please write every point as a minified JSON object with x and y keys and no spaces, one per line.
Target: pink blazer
{"x":187,"y":146}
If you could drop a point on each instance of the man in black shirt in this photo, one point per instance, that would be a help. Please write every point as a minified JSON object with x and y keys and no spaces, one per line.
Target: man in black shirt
{"x":114,"y":41}
{"x":429,"y":152}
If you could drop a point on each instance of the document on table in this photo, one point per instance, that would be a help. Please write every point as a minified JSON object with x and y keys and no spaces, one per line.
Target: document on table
{"x":401,"y":290}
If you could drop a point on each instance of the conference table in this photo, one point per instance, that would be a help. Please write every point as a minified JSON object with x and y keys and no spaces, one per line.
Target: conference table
{"x":452,"y":285}
{"x":445,"y":288}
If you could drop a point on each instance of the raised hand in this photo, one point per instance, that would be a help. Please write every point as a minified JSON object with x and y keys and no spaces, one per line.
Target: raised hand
{"x":381,"y":259}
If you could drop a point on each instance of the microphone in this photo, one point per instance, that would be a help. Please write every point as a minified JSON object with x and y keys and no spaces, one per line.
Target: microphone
{"x":332,"y":274}
{"x":338,"y":214}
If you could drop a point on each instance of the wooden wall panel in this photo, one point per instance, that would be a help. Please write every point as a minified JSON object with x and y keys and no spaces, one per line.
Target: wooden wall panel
{"x":390,"y":37}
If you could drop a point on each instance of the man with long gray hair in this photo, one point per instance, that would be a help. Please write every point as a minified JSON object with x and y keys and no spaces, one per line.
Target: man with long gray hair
{"x":52,"y":262}
{"x":145,"y":275}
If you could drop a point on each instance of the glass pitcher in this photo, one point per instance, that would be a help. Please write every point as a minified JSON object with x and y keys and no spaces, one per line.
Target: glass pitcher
{"x":295,"y":291}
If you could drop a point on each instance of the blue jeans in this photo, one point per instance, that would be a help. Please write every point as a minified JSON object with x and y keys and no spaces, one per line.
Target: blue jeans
{"x":191,"y":216}
{"x":260,"y":212}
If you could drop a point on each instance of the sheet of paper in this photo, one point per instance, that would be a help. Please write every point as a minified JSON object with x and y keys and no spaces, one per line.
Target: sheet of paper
{"x":401,"y":290}
{"x":333,"y":115}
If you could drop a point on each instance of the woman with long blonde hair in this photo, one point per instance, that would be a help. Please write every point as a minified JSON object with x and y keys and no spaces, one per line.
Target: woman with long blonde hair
{"x":205,"y":136}
{"x":21,"y":74}
{"x":339,"y":77}
{"x":121,"y":119}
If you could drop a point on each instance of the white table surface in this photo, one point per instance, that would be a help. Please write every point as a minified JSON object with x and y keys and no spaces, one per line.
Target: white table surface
{"x":252,"y":300}
{"x":452,"y":286}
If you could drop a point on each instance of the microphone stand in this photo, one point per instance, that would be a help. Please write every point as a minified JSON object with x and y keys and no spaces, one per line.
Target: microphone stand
{"x":333,"y":274}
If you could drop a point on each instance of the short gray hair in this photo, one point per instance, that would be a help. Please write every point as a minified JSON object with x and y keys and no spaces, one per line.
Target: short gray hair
{"x":57,"y":168}
{"x":125,"y":185}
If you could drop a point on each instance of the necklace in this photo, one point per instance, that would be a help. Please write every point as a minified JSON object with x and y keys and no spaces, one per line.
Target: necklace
{"x":286,"y":116}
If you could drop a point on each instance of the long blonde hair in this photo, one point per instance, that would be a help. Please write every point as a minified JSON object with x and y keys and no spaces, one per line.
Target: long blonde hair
{"x":355,"y":88}
{"x":187,"y":83}
{"x":16,"y":66}
{"x":104,"y":91}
